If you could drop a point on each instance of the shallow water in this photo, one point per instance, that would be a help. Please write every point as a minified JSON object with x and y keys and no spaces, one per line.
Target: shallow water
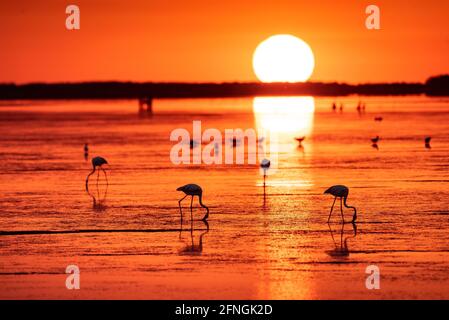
{"x":126,"y":236}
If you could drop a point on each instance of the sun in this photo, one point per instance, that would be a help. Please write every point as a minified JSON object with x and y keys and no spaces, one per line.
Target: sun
{"x":283,"y":58}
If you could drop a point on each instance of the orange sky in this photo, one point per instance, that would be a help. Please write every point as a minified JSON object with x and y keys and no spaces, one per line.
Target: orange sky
{"x":208,"y":40}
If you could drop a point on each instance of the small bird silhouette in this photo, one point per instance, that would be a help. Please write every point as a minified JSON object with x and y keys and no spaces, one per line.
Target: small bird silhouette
{"x":375,"y":140}
{"x":193,"y":190}
{"x":300,"y":140}
{"x":427,"y":142}
{"x":340,"y":191}
{"x":97,"y":163}
{"x":86,"y":151}
{"x":193,"y":143}
{"x":265,"y":165}
{"x":379,"y":119}
{"x":235,"y":142}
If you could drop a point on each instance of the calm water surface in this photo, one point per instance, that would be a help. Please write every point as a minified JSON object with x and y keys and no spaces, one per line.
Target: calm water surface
{"x":275,"y":245}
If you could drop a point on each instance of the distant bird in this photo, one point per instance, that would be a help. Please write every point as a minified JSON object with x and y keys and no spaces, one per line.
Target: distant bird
{"x":341,"y":107}
{"x":97,"y":163}
{"x":217,"y":147}
{"x":86,"y":151}
{"x":427,"y":142}
{"x":341,"y":192}
{"x":193,"y":190}
{"x":235,"y":142}
{"x":375,"y":140}
{"x":379,"y":119}
{"x":300,"y":140}
{"x":265,"y":165}
{"x":359,"y":107}
{"x":334,"y":106}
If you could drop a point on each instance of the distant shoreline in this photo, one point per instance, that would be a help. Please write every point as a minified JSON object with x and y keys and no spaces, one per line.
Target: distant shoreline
{"x":436,"y":86}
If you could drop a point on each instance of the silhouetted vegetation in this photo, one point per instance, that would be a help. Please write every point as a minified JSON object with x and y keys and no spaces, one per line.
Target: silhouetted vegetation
{"x":117,"y":90}
{"x":438,"y":86}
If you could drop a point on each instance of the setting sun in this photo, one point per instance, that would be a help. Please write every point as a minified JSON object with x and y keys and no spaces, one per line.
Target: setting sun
{"x":283,"y":58}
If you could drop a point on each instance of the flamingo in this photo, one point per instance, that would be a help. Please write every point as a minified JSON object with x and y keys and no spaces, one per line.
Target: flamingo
{"x":427,"y":142}
{"x":235,"y":142}
{"x":265,"y":165}
{"x":97,"y":163}
{"x":193,"y":144}
{"x":341,"y":192}
{"x":86,"y":151}
{"x":193,"y":190}
{"x":300,"y":140}
{"x":375,"y":140}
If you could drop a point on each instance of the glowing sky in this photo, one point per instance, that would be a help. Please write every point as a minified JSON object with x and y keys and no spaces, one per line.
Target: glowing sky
{"x":204,"y":40}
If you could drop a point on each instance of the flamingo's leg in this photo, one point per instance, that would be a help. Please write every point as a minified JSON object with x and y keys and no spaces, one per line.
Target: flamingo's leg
{"x":191,"y":208}
{"x":87,"y":180}
{"x":180,"y":209}
{"x":341,"y":209}
{"x":332,"y":208}
{"x":98,"y":177}
{"x":105,"y":175}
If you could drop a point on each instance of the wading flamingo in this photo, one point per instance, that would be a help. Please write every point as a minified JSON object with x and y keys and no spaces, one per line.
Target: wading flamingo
{"x":193,"y":190}
{"x":300,"y":140}
{"x":375,"y":140}
{"x":265,"y":165}
{"x":427,"y":142}
{"x":97,"y":163}
{"x":341,"y":192}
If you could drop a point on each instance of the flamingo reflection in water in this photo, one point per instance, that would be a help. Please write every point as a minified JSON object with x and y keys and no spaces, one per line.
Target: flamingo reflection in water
{"x":192,"y":248}
{"x":99,"y":199}
{"x":341,"y":249}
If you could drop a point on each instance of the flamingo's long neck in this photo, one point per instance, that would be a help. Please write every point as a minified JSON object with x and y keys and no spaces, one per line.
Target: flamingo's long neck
{"x":202,"y":204}
{"x":87,"y":178}
{"x":351,"y":207}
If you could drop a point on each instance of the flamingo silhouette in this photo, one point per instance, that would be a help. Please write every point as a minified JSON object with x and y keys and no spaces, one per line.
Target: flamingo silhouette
{"x":193,"y":190}
{"x":265,"y":165}
{"x":427,"y":142}
{"x":300,"y":140}
{"x":86,"y":151}
{"x":341,"y":192}
{"x":375,"y":140}
{"x":97,"y":163}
